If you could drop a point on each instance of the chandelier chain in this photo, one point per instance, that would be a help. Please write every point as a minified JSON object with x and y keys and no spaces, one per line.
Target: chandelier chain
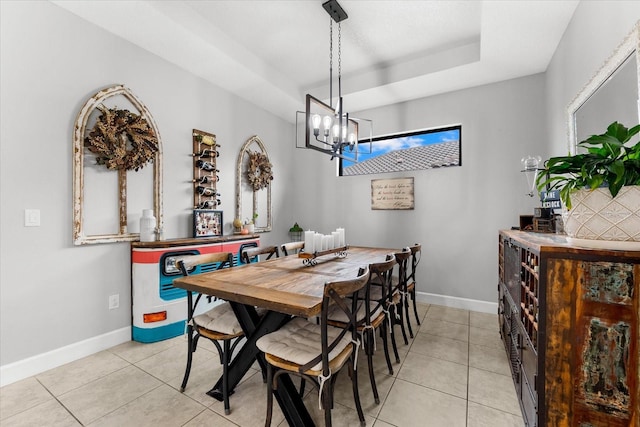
{"x":330,"y":60}
{"x":330,"y":43}
{"x":339,"y":50}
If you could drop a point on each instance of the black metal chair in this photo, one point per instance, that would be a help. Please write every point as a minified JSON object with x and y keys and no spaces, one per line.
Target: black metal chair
{"x":320,"y":350}
{"x":217,"y":324}
{"x":400,"y":293}
{"x":416,"y":254}
{"x":291,"y":247}
{"x":371,"y":314}
{"x":253,"y":254}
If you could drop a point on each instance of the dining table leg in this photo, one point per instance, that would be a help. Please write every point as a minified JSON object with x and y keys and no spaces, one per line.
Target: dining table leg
{"x":255,"y":327}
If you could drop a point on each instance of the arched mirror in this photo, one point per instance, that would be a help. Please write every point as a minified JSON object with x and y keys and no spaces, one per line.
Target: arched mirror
{"x":612,"y":94}
{"x":253,"y":185}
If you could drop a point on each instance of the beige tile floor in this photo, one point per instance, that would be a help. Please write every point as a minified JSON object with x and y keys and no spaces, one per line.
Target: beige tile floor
{"x":454,"y":373}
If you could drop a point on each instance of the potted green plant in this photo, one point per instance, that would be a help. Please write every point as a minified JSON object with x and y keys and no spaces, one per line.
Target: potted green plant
{"x":607,"y":174}
{"x":249,"y":224}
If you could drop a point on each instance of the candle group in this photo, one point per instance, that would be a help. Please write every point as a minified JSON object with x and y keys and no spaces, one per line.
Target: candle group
{"x":317,"y":242}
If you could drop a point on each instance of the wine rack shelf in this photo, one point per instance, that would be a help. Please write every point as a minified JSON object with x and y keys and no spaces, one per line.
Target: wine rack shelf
{"x":205,"y":171}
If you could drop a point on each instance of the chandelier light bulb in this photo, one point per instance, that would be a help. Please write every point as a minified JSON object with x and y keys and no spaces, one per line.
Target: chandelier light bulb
{"x":336,"y":132}
{"x":315,"y":122}
{"x":326,"y":123}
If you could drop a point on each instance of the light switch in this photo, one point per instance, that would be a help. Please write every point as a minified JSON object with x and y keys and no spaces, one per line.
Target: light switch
{"x":32,"y":217}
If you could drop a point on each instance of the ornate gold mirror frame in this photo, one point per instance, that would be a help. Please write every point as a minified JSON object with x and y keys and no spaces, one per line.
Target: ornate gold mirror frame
{"x":80,"y":132}
{"x":243,"y":185}
{"x":626,"y":55}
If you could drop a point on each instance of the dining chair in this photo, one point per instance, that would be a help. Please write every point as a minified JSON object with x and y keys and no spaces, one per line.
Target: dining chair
{"x":253,"y":254}
{"x":394,"y":298}
{"x":317,"y":352}
{"x":371,"y":315}
{"x":217,"y":324}
{"x":291,"y":247}
{"x":400,"y":293}
{"x":416,"y":254}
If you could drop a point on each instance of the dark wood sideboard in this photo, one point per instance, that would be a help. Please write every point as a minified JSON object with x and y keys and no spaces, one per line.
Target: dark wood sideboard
{"x":569,"y":320}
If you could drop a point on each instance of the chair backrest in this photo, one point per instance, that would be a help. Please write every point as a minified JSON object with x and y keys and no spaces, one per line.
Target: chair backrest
{"x":188,"y":263}
{"x":381,"y":275}
{"x":290,"y":247}
{"x":416,"y":253}
{"x":338,"y":293}
{"x":251,"y":253}
{"x":402,"y":258}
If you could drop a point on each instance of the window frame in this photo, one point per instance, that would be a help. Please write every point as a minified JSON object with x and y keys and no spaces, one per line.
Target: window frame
{"x":399,"y":135}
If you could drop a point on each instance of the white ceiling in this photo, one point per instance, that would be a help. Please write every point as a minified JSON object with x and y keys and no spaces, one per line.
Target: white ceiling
{"x":274,"y":52}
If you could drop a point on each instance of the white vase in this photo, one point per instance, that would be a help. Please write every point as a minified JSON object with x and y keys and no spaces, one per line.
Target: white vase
{"x":596,"y":216}
{"x":250,"y":228}
{"x":147,"y":226}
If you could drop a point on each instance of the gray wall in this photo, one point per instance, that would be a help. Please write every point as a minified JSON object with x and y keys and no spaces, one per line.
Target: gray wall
{"x":52,"y":293}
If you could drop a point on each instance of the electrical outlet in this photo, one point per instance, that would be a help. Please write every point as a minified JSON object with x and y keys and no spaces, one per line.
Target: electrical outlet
{"x":114,"y":301}
{"x":32,"y":217}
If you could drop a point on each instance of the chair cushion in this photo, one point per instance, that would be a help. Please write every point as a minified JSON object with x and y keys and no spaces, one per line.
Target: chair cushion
{"x":220,"y":318}
{"x":299,"y":342}
{"x":336,"y":314}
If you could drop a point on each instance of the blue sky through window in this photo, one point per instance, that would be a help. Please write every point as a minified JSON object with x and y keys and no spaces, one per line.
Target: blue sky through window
{"x":384,"y":145}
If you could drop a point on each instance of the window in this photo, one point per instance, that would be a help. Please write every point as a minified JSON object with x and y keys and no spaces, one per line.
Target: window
{"x":423,"y":149}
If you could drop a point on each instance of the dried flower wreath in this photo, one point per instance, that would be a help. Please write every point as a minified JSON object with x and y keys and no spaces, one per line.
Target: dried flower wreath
{"x":259,"y":171}
{"x":122,"y":140}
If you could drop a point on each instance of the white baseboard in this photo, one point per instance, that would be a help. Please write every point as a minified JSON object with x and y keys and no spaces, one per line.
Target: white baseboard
{"x":457,"y":302}
{"x":34,"y":365}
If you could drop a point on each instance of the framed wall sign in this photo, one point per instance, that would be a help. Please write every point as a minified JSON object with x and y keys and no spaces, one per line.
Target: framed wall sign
{"x":207,"y":223}
{"x":392,"y":194}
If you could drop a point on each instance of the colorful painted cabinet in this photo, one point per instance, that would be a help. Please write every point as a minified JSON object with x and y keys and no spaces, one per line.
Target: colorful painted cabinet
{"x":569,"y":319}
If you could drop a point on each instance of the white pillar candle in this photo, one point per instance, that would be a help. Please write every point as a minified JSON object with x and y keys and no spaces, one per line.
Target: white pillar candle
{"x":308,"y":241}
{"x":328,"y":240}
{"x":343,"y":240}
{"x":336,"y":239}
{"x":317,"y":242}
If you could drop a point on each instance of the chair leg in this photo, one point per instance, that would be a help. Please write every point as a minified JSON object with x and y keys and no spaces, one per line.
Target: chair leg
{"x":415,"y":307}
{"x":225,"y":376}
{"x":372,"y":376}
{"x":327,"y":403}
{"x":267,"y":422}
{"x":302,"y":384}
{"x":383,"y":335}
{"x":406,"y":314}
{"x":190,"y":349}
{"x":392,"y":333}
{"x":401,"y":322}
{"x":356,"y":395}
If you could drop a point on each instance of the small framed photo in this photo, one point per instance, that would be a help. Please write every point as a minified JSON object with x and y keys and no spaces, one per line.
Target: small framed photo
{"x":207,"y":223}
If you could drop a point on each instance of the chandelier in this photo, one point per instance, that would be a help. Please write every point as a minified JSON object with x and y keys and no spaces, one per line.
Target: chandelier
{"x":328,"y":129}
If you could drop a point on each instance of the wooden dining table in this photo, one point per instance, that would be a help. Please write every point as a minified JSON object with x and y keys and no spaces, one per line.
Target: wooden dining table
{"x":285,"y":287}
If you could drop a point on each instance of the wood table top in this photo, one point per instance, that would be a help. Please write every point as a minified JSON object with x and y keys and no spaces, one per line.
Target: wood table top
{"x":283,"y":284}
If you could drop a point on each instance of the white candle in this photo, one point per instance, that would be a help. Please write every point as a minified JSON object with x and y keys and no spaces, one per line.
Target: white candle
{"x":317,"y":242}
{"x":336,"y":239}
{"x":328,"y":240}
{"x":308,"y":241}
{"x":342,"y":239}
